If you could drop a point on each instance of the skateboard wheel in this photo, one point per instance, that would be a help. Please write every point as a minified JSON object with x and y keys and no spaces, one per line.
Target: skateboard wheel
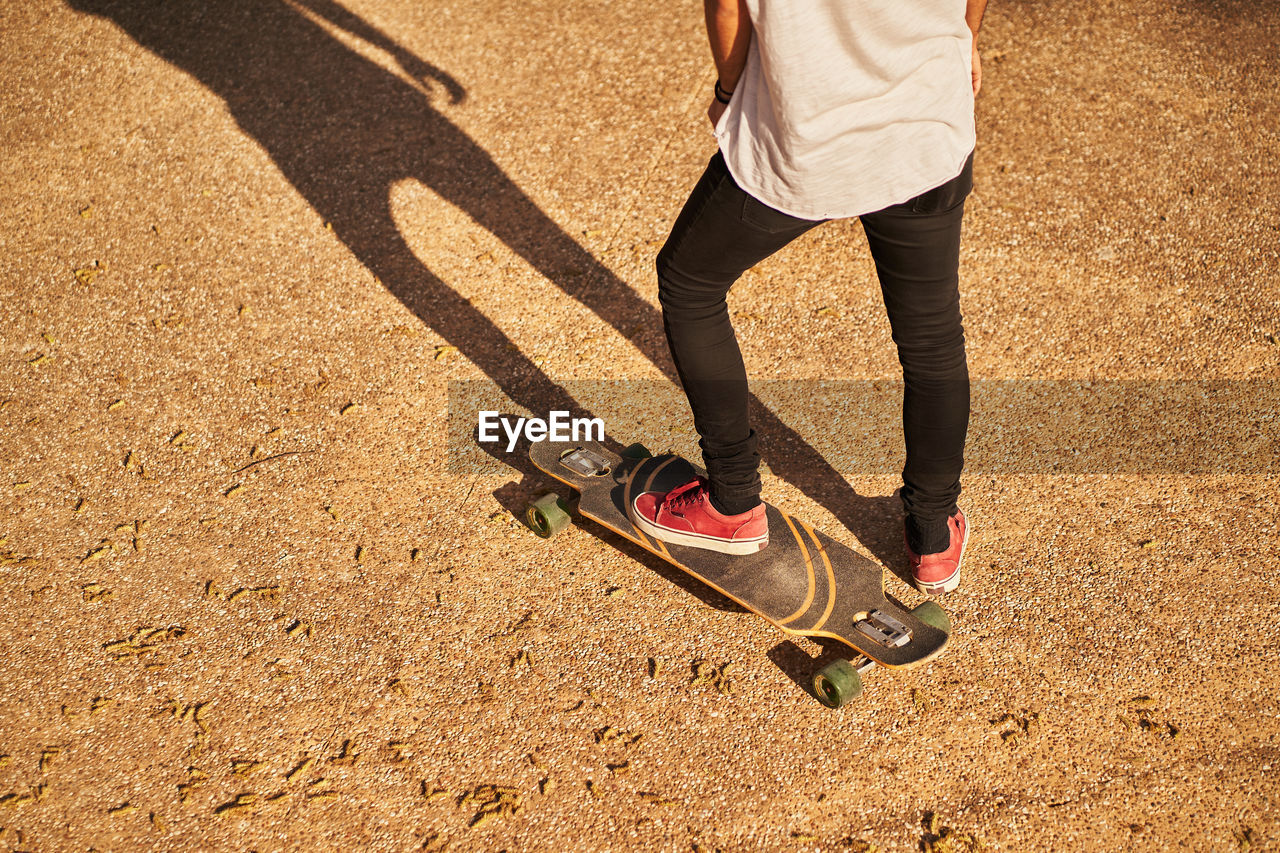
{"x":636,"y":451}
{"x":931,"y":614}
{"x":548,"y":515}
{"x":837,"y":683}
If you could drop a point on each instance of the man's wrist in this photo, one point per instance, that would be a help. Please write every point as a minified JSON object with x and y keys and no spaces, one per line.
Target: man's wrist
{"x":722,"y":95}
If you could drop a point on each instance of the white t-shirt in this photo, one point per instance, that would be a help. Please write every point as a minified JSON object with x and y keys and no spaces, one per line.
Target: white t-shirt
{"x":848,"y":106}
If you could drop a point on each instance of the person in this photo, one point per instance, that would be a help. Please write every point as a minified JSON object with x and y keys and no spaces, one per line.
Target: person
{"x":829,"y":109}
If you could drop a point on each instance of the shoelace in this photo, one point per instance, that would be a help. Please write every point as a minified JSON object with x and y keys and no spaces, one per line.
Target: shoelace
{"x":690,"y":495}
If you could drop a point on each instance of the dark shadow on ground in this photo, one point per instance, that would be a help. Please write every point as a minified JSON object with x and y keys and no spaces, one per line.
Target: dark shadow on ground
{"x":344,"y":131}
{"x":797,"y":665}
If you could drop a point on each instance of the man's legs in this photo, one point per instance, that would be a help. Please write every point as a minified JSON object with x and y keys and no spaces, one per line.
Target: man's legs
{"x":916,"y":247}
{"x":721,"y":232}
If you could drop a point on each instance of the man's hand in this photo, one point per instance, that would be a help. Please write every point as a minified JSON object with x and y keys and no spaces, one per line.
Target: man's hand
{"x":977,"y":68}
{"x":715,"y":111}
{"x":422,"y":70}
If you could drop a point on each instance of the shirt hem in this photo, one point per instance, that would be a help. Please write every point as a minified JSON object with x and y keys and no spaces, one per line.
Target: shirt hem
{"x":809,"y":215}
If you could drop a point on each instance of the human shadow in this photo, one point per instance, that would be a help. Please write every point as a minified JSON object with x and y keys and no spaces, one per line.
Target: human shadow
{"x":344,"y":131}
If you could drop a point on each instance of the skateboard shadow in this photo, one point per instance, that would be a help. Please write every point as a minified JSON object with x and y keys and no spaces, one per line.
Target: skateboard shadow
{"x":344,"y":132}
{"x":799,"y":666}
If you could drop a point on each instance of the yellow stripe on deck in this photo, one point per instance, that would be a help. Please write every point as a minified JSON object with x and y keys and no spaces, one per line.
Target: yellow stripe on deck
{"x":831,"y":577}
{"x":808,"y":565}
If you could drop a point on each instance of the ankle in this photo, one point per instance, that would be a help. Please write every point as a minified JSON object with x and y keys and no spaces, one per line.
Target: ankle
{"x":733,"y":506}
{"x":928,"y":537}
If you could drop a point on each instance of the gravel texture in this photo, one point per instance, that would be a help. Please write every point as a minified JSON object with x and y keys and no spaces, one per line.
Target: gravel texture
{"x":258,"y":595}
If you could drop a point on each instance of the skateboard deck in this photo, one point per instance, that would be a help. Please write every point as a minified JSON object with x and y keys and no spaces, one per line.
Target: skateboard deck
{"x":804,"y":582}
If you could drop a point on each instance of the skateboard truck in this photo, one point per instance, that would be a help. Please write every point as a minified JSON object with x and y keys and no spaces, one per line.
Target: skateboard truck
{"x":585,"y":463}
{"x":884,"y":629}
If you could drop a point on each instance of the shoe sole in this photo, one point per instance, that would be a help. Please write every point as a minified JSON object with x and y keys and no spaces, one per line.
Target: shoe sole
{"x":951,"y":581}
{"x":737,"y":548}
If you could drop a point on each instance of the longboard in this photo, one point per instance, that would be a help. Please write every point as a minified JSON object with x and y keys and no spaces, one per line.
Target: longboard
{"x":805,"y":583}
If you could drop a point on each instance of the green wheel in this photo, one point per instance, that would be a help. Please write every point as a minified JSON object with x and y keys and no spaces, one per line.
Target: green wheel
{"x":636,"y":451}
{"x":837,"y":683}
{"x":548,"y":515}
{"x":931,"y":614}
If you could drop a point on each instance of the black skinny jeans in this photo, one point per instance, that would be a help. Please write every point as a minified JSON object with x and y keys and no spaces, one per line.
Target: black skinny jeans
{"x":722,"y":232}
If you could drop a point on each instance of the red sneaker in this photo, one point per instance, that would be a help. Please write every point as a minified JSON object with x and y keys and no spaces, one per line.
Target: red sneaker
{"x":685,"y":516}
{"x":935,"y":574}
